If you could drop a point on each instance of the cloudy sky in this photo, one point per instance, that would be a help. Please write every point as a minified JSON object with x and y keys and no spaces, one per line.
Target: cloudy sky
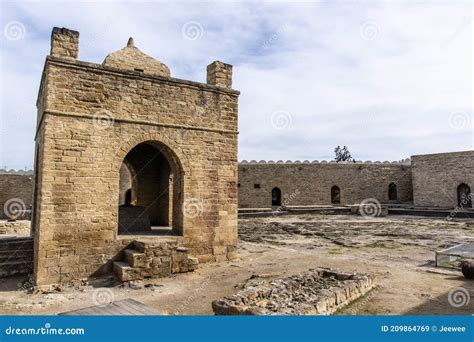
{"x":389,"y":79}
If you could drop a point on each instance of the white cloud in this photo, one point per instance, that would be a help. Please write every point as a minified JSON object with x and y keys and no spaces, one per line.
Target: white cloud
{"x":386,"y":98}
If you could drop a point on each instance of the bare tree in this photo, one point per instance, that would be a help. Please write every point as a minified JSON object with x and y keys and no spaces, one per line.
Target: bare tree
{"x":342,"y":154}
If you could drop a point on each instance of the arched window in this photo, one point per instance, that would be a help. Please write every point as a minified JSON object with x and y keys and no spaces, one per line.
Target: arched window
{"x":392,"y":192}
{"x":464,"y":196}
{"x":335,"y":195}
{"x":276,"y":197}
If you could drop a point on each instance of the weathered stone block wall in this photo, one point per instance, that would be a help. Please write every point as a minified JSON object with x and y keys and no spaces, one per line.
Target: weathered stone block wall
{"x":16,"y":186}
{"x":436,"y":177}
{"x":310,"y":183}
{"x":93,"y":116}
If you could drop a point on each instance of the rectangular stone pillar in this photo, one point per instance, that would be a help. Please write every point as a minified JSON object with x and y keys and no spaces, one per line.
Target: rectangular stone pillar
{"x":64,"y":43}
{"x":219,"y":74}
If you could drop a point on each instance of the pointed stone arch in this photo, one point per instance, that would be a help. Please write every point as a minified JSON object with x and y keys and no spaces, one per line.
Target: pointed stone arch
{"x":156,"y":191}
{"x":335,"y":195}
{"x":464,"y":196}
{"x":392,"y":192}
{"x":276,"y":197}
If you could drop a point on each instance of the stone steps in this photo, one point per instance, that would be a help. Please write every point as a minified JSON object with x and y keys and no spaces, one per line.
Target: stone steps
{"x":16,"y":256}
{"x":125,"y":272}
{"x":135,"y":258}
{"x":15,"y":267}
{"x":12,"y":244}
{"x":154,"y":259}
{"x":19,"y":255}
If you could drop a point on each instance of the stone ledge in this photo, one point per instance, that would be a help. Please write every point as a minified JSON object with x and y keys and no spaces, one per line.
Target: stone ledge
{"x":405,"y":162}
{"x":314,"y":292}
{"x":137,"y":122}
{"x":135,"y":74}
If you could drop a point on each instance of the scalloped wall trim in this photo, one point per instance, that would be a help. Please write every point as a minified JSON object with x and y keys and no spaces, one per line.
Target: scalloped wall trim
{"x":358,"y":162}
{"x":15,"y":172}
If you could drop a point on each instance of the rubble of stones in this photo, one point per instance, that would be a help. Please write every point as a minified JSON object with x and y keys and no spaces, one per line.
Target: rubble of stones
{"x":314,"y":292}
{"x":20,"y":227}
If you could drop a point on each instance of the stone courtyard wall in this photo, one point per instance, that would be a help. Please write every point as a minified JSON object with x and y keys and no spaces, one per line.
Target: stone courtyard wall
{"x":16,"y":187}
{"x":306,"y":183}
{"x":437,"y":176}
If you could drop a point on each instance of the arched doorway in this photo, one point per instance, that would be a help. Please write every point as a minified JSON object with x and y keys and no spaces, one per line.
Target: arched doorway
{"x":392,"y":192}
{"x":276,"y":197}
{"x":335,"y":195}
{"x":464,"y":196}
{"x":150,"y":200}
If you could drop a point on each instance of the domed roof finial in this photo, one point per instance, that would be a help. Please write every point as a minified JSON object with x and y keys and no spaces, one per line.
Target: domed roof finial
{"x":130,"y":58}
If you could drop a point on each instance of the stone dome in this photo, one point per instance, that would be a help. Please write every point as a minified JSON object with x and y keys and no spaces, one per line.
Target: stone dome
{"x":132,"y":59}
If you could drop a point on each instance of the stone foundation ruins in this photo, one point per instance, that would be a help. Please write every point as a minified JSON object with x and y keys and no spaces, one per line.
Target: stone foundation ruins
{"x":315,"y":292}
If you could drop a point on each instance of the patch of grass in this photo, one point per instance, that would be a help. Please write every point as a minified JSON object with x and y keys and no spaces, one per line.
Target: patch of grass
{"x":336,"y":251}
{"x":384,"y":245}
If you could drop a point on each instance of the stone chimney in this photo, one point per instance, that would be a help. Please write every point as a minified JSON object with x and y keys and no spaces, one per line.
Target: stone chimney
{"x":219,"y":74}
{"x":64,"y":43}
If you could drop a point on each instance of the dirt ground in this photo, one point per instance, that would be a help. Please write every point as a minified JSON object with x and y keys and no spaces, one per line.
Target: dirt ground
{"x":399,"y":250}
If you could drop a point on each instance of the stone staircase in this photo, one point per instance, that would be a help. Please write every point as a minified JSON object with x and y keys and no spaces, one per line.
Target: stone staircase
{"x":153,"y":259}
{"x":16,"y":256}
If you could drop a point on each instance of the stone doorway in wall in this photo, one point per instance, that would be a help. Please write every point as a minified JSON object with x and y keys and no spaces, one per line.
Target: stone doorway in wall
{"x":335,"y":195}
{"x":150,"y":192}
{"x":276,"y":197}
{"x":464,"y":196}
{"x":392,"y":192}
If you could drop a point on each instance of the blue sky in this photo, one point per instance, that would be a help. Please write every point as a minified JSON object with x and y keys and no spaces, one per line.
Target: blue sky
{"x":389,"y":79}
